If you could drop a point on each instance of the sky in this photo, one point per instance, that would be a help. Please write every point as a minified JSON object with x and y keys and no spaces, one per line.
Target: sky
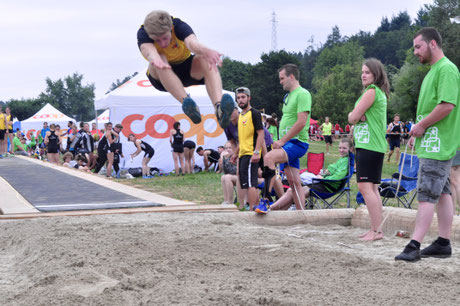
{"x":54,"y":39}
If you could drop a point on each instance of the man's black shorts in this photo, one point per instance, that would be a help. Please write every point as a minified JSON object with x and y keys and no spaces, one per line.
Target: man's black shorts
{"x":395,"y":142}
{"x":369,"y":166}
{"x":248,"y":172}
{"x":2,"y":134}
{"x":182,"y":70}
{"x":328,"y":139}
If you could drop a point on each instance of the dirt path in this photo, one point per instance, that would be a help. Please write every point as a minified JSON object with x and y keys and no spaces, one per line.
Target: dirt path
{"x":209,"y":259}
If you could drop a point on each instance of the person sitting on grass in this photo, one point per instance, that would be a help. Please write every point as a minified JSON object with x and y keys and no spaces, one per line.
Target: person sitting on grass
{"x":67,"y":160}
{"x":82,"y":163}
{"x":335,"y":171}
{"x":18,"y":147}
{"x":229,"y":177}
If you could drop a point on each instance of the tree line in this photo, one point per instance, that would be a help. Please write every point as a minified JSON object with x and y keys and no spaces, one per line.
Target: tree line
{"x":331,"y":72}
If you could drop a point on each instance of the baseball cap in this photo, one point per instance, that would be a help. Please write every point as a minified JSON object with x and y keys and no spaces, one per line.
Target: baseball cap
{"x":244,"y":90}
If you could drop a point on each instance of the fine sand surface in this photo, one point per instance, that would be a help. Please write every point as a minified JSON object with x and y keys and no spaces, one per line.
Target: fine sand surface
{"x":210,"y":259}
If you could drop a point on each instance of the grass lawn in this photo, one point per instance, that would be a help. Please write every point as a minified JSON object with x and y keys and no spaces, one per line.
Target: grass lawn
{"x":205,"y":187}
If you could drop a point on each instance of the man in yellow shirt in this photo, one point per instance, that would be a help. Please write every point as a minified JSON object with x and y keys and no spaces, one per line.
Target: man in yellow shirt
{"x":168,"y":43}
{"x":3,"y":126}
{"x":326,"y":127}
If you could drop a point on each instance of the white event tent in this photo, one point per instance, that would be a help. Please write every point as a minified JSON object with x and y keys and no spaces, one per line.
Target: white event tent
{"x":149,"y":114}
{"x":101,"y":119}
{"x":47,"y":114}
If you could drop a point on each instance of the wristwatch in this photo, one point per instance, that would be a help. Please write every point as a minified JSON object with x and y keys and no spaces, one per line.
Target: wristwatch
{"x":256,"y":152}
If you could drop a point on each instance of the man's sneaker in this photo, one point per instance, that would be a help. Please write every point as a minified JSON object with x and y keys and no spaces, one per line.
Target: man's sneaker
{"x":224,"y":110}
{"x":411,"y":253}
{"x":263,"y":207}
{"x":191,"y":110}
{"x":437,"y":250}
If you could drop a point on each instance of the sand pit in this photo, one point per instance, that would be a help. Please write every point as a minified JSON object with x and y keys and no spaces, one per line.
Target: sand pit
{"x":209,"y":259}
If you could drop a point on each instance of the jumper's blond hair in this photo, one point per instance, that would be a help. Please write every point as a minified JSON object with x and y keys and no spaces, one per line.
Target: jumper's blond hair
{"x":157,"y":23}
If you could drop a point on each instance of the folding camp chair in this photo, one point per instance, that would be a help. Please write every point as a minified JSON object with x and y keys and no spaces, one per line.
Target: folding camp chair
{"x":405,"y":195}
{"x":315,"y":162}
{"x":408,"y":166}
{"x":319,"y":199}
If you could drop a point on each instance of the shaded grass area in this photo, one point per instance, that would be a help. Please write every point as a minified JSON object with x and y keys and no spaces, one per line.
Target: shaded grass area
{"x":205,"y":187}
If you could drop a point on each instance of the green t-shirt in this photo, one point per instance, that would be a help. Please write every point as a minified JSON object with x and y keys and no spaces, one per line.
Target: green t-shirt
{"x":370,"y":134}
{"x":441,"y":84}
{"x":32,"y":140}
{"x":295,"y":102}
{"x":326,"y":128}
{"x":17,"y":143}
{"x":273,"y":130}
{"x":338,"y":171}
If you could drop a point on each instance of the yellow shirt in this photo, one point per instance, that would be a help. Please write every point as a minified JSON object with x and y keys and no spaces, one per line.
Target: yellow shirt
{"x":327,"y":128}
{"x":248,"y":125}
{"x":8,"y":119}
{"x":176,"y":52}
{"x":2,"y":121}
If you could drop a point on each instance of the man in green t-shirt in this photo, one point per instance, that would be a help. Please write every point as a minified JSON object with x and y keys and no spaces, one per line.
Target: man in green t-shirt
{"x":293,"y":134}
{"x":18,"y":147}
{"x":438,"y":116}
{"x":326,"y":128}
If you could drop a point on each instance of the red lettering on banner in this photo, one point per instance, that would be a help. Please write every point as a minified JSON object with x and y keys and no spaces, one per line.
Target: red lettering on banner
{"x":48,"y":116}
{"x":195,"y":129}
{"x":127,"y":121}
{"x":144,"y":83}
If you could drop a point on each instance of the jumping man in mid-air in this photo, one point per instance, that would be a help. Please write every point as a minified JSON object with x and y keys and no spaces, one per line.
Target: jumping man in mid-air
{"x":168,"y":43}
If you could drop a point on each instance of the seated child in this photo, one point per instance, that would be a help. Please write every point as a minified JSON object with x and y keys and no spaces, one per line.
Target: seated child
{"x":335,"y":171}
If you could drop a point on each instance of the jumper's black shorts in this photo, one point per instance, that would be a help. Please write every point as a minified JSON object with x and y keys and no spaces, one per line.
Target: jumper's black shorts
{"x":2,"y":134}
{"x":328,"y":139}
{"x":182,"y":71}
{"x":248,"y":172}
{"x":369,"y":166}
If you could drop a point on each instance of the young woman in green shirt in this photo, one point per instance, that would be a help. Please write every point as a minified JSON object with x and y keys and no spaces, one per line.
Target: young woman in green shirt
{"x":370,"y":117}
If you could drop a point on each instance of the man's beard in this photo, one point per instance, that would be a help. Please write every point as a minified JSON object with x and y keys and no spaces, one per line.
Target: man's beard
{"x":427,"y":58}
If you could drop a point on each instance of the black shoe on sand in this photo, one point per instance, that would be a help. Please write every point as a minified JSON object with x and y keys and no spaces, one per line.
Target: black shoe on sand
{"x":411,"y":253}
{"x":437,"y":250}
{"x":224,"y":110}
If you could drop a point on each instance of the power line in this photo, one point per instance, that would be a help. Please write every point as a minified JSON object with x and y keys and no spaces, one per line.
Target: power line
{"x":274,"y":40}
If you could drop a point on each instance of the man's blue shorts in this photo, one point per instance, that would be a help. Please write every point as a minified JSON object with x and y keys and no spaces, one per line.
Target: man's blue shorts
{"x":294,"y":149}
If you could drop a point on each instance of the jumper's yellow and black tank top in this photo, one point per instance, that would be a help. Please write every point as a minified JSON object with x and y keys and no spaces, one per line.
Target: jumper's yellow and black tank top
{"x":176,"y":52}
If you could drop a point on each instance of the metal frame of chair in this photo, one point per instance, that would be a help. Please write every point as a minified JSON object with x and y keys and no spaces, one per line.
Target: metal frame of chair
{"x":319,"y":199}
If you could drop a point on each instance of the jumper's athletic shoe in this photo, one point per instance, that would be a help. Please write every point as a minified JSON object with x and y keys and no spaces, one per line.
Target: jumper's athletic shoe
{"x":263,"y":207}
{"x":411,"y":253}
{"x":224,"y":110}
{"x":437,"y":250}
{"x":191,"y":110}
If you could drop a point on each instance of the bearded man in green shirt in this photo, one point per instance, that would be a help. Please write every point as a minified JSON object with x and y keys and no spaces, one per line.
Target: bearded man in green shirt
{"x":438,"y":118}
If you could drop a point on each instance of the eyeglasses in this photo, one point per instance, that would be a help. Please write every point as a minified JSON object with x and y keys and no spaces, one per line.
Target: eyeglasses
{"x":228,"y":148}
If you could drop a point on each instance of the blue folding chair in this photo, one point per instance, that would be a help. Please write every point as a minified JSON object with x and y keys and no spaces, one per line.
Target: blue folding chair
{"x":408,"y":172}
{"x":388,"y":189}
{"x":319,"y":199}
